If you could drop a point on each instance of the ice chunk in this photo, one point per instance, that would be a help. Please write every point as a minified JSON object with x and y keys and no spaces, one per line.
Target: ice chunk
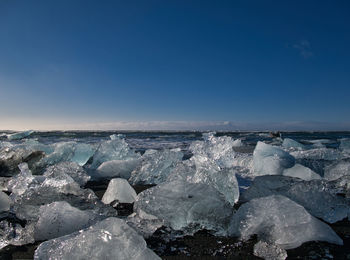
{"x":185,"y":206}
{"x":5,"y":202}
{"x":290,"y":143}
{"x":76,"y":172}
{"x":119,"y":190}
{"x":302,"y":172}
{"x":115,"y":149}
{"x":328,"y":154}
{"x":60,"y":218}
{"x":11,"y":157}
{"x":156,"y":166}
{"x":345,"y":144}
{"x":117,"y":168}
{"x":269,"y":251}
{"x":337,"y":170}
{"x":4,"y":183}
{"x":35,"y":145}
{"x":12,"y":233}
{"x":319,"y":197}
{"x":270,"y":160}
{"x":69,"y":152}
{"x":237,"y":143}
{"x":19,"y":183}
{"x":20,"y":135}
{"x":223,"y":180}
{"x":30,"y":192}
{"x":145,"y":224}
{"x":111,"y":238}
{"x":281,"y":221}
{"x":217,"y":149}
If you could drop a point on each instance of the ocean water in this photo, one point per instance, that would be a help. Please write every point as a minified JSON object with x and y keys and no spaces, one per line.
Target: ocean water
{"x":141,"y":140}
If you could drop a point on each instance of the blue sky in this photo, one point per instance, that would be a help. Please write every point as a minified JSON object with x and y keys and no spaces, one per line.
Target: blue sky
{"x":174,"y":64}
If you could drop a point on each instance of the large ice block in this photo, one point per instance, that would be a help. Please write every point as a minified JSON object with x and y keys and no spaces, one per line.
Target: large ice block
{"x":156,"y":166}
{"x":270,"y":160}
{"x":60,"y":218}
{"x":20,"y":135}
{"x":114,"y":149}
{"x":319,"y":197}
{"x":120,"y":191}
{"x":185,"y":206}
{"x":302,"y":172}
{"x":111,"y":238}
{"x":117,"y":168}
{"x":281,"y":221}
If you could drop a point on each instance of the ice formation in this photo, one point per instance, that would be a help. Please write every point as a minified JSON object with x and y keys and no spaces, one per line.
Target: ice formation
{"x":20,"y":135}
{"x":60,"y":218}
{"x":73,"y":170}
{"x":11,"y":157}
{"x":328,"y":154}
{"x":12,"y":233}
{"x":279,"y":220}
{"x":30,"y":192}
{"x":270,"y":160}
{"x":216,"y":149}
{"x":119,"y":190}
{"x":156,"y":166}
{"x":117,"y":168}
{"x":290,"y":143}
{"x":223,"y":180}
{"x":111,"y":238}
{"x":269,"y":251}
{"x":319,"y":197}
{"x":69,"y":152}
{"x":185,"y":206}
{"x":302,"y":172}
{"x":345,"y":144}
{"x":337,"y":170}
{"x":5,"y":202}
{"x":114,"y":149}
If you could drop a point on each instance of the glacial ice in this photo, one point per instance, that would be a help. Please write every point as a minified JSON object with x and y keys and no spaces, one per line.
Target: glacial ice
{"x":269,"y":251}
{"x":302,"y":172}
{"x":72,"y":169}
{"x":119,"y":190}
{"x":11,"y":157}
{"x":281,"y":221}
{"x":156,"y":166}
{"x":60,"y":218}
{"x":270,"y":160}
{"x":14,"y":234}
{"x":185,"y":206}
{"x":337,"y":170}
{"x":111,"y":238}
{"x":20,"y":135}
{"x":114,"y":149}
{"x":319,"y":197}
{"x":30,"y":192}
{"x":290,"y":143}
{"x":345,"y":144}
{"x":328,"y":154}
{"x":116,"y":169}
{"x":223,"y":180}
{"x":216,"y":149}
{"x":5,"y":202}
{"x":237,"y":143}
{"x":69,"y":152}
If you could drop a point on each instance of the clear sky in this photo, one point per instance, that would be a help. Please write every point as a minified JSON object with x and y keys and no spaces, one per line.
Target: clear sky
{"x":174,"y":64}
